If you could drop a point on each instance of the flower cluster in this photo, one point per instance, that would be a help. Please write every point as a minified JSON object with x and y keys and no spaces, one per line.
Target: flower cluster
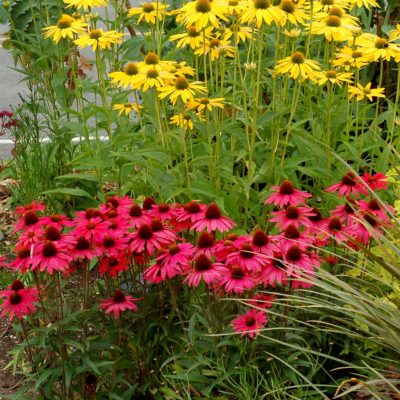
{"x":7,"y":121}
{"x":196,"y":244}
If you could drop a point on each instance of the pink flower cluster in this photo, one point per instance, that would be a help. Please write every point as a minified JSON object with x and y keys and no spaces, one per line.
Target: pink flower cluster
{"x":194,"y":242}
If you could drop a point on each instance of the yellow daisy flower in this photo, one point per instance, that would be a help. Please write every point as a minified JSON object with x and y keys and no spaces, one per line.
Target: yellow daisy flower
{"x":151,"y":60}
{"x":85,"y":4}
{"x":395,"y":33}
{"x":181,"y":69}
{"x":326,"y":5}
{"x":260,"y":11}
{"x":66,"y":26}
{"x":184,"y":121}
{"x":154,"y":77}
{"x":293,"y":33}
{"x":97,"y":38}
{"x":294,"y":12}
{"x":350,"y":58}
{"x":234,"y":7}
{"x":201,"y":14}
{"x":377,"y":48}
{"x":361,"y":92}
{"x":363,"y":3}
{"x":129,"y":76}
{"x":205,"y":103}
{"x":149,"y":12}
{"x":334,"y":77}
{"x":126,"y":108}
{"x":216,"y":47}
{"x":235,"y":30}
{"x":297,"y":66}
{"x":181,"y":88}
{"x":192,"y":37}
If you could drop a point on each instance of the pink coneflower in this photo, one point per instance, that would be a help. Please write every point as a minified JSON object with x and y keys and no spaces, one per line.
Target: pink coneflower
{"x":292,"y":215}
{"x":337,"y":230}
{"x":262,"y":300}
{"x":205,"y":245}
{"x":88,"y":214}
{"x":23,"y":261}
{"x":114,"y":243}
{"x":346,"y":212}
{"x":137,"y":216}
{"x":92,"y":229}
{"x":58,"y":221}
{"x":213,"y":220}
{"x":162,"y":233}
{"x":143,"y":239}
{"x":148,"y":203}
{"x":155,"y":274}
{"x":162,"y":211}
{"x":29,"y":220}
{"x":84,"y":249}
{"x":112,"y":266}
{"x":375,"y":208}
{"x":274,"y":272}
{"x":54,"y":235}
{"x":175,"y":259}
{"x":292,"y":235}
{"x":347,"y":186}
{"x":18,"y":300}
{"x":297,"y":260}
{"x":34,"y":206}
{"x":223,"y":248}
{"x":262,"y":243}
{"x":247,"y":258}
{"x":122,"y":204}
{"x":373,"y":182}
{"x":50,"y":256}
{"x":31,"y":236}
{"x":366,"y":227}
{"x":119,"y":223}
{"x":119,"y":303}
{"x":190,"y":212}
{"x":204,"y":269}
{"x":286,"y":194}
{"x":316,"y":221}
{"x":250,"y":323}
{"x":236,"y":279}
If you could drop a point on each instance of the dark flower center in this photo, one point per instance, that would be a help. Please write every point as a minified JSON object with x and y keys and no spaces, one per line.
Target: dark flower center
{"x":316,"y":217}
{"x":237,"y":272}
{"x":135,"y":211}
{"x":131,"y":69}
{"x":56,"y":217}
{"x":260,"y":238}
{"x":148,"y":202}
{"x":63,"y":23}
{"x":145,"y":232}
{"x":30,"y":218}
{"x":148,"y":7}
{"x":333,"y":21}
{"x":203,"y":6}
{"x":91,"y":225}
{"x":277,"y":261}
{"x":152,"y":74}
{"x":292,"y":212}
{"x":298,"y":57}
{"x":112,"y":213}
{"x":112,"y":262}
{"x":95,"y":34}
{"x":294,"y":253}
{"x":349,"y":207}
{"x":205,"y":241}
{"x":213,"y":212}
{"x":214,"y":43}
{"x":370,"y":219}
{"x":374,"y":205}
{"x":163,"y":208}
{"x":151,"y":59}
{"x":357,"y":54}
{"x":23,"y":252}
{"x":246,"y":251}
{"x":181,"y":83}
{"x":193,"y":32}
{"x":202,"y":263}
{"x":335,"y":224}
{"x":286,"y":187}
{"x":82,"y":244}
{"x":53,"y":234}
{"x":192,"y":207}
{"x":336,"y":11}
{"x":232,"y":236}
{"x":292,"y":232}
{"x":92,"y":213}
{"x":15,"y":298}
{"x":157,"y":225}
{"x":331,"y":74}
{"x":288,"y":6}
{"x":119,"y":297}
{"x":108,"y":241}
{"x":349,"y":179}
{"x":262,"y":4}
{"x":249,"y":321}
{"x":17,"y":285}
{"x":113,"y":201}
{"x":49,"y":249}
{"x":173,"y":249}
{"x":327,"y":2}
{"x":381,"y":43}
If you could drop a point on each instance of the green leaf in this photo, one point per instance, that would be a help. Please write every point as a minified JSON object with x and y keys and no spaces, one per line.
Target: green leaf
{"x":69,"y":191}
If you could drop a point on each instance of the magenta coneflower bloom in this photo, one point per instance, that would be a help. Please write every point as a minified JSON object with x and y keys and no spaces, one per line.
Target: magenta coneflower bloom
{"x":337,"y":230}
{"x":205,"y":245}
{"x":58,"y":221}
{"x":292,"y":235}
{"x":112,"y":266}
{"x":212,"y":220}
{"x":114,"y":243}
{"x":375,"y":208}
{"x":119,"y":303}
{"x":316,"y":221}
{"x":31,"y":236}
{"x":23,"y":261}
{"x":286,"y":194}
{"x":18,"y":300}
{"x":236,"y":279}
{"x":29,"y":219}
{"x":84,"y":249}
{"x":175,"y":259}
{"x":115,"y":202}
{"x":250,"y":323}
{"x":50,"y":256}
{"x":148,"y":203}
{"x":190,"y":212}
{"x":292,"y":215}
{"x":144,"y":239}
{"x":138,"y":216}
{"x":155,"y":274}
{"x":262,"y":243}
{"x":34,"y":206}
{"x":204,"y":269}
{"x":92,"y":229}
{"x":296,"y":260}
{"x":54,"y":235}
{"x":247,"y":258}
{"x":262,"y":300}
{"x":223,"y":248}
{"x":274,"y":272}
{"x":161,"y":232}
{"x":162,"y":211}
{"x":366,"y":226}
{"x":349,"y":185}
{"x":347,"y":211}
{"x":373,"y":182}
{"x":119,"y":223}
{"x":87,"y":215}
